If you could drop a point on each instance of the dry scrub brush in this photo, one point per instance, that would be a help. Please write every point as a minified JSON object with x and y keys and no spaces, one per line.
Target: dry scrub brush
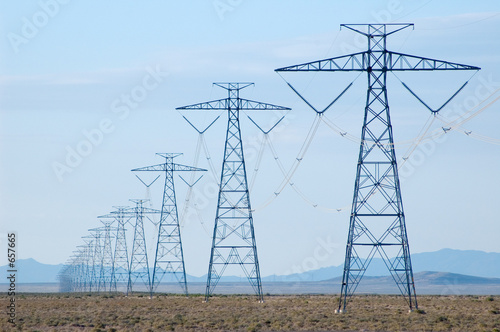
{"x":82,"y":312}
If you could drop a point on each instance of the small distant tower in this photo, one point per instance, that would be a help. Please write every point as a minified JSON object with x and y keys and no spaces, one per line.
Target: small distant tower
{"x":95,"y":274}
{"x":233,"y":241}
{"x":120,"y":266}
{"x":139,"y":265}
{"x":169,"y":257}
{"x":106,"y":282}
{"x":83,"y":267}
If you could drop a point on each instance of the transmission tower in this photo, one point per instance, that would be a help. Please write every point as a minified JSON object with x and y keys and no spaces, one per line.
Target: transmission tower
{"x":169,"y":257}
{"x":233,"y":239}
{"x":96,"y":235}
{"x":377,"y":221}
{"x":139,"y":265}
{"x":72,"y":272}
{"x":120,"y":264}
{"x":88,"y":262}
{"x":78,"y":264}
{"x":106,"y":282}
{"x":83,"y":269}
{"x":65,"y":279}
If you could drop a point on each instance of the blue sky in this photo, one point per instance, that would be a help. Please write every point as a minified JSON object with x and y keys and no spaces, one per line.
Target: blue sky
{"x":67,"y":79}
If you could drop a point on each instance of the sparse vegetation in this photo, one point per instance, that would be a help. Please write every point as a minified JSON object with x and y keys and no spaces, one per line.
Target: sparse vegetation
{"x":79,"y":312}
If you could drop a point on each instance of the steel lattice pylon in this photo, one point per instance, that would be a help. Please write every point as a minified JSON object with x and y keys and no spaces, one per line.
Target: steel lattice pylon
{"x":139,"y":265}
{"x":83,"y":267}
{"x":377,"y":221}
{"x":169,"y":257}
{"x":90,"y":241}
{"x":233,"y":239}
{"x":79,"y":269}
{"x":120,"y":266}
{"x":95,"y":273}
{"x":106,"y":282}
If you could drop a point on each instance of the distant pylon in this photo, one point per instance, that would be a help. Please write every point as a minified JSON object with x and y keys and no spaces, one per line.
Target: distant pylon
{"x":73,"y":272}
{"x":139,"y":264}
{"x":78,"y":268}
{"x":96,"y":234}
{"x":106,"y":282}
{"x":233,"y":239}
{"x":169,"y":257}
{"x":120,"y":268}
{"x":65,"y":279}
{"x":83,"y":267}
{"x":89,"y":243}
{"x":377,"y":221}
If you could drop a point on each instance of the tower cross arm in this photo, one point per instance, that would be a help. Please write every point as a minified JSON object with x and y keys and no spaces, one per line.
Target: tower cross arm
{"x":402,"y":62}
{"x":245,"y":104}
{"x":395,"y":62}
{"x":350,"y":62}
{"x":165,"y":167}
{"x":154,"y":168}
{"x":224,"y":104}
{"x":184,"y":168}
{"x":132,"y":211}
{"x":220,"y":104}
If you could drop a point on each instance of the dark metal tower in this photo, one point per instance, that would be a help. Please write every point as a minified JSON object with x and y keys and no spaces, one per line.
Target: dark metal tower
{"x":79,"y":269}
{"x":139,"y":265}
{"x":377,"y":221}
{"x":106,"y":282}
{"x":120,"y":257}
{"x":90,"y":241}
{"x":233,"y":238}
{"x":95,"y":274}
{"x":169,"y":257}
{"x":84,"y":267}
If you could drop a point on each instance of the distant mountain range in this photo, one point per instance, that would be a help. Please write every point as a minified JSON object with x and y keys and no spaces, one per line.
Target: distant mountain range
{"x":31,"y":271}
{"x":466,"y":262}
{"x":470,"y":263}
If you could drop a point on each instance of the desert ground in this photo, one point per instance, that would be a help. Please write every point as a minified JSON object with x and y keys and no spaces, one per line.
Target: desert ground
{"x":115,"y":312}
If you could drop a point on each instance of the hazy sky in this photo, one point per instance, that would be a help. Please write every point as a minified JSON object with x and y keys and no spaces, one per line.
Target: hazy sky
{"x":88,"y":91}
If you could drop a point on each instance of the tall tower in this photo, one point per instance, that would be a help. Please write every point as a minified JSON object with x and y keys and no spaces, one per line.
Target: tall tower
{"x":83,"y":267}
{"x":119,"y":270}
{"x":233,"y":239}
{"x":377,"y":221}
{"x":78,"y":269}
{"x":120,"y":257}
{"x":139,"y":265}
{"x":95,"y":273}
{"x":169,"y":257}
{"x":106,"y":282}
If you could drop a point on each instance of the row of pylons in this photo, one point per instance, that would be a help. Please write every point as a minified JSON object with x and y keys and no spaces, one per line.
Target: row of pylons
{"x":377,"y":220}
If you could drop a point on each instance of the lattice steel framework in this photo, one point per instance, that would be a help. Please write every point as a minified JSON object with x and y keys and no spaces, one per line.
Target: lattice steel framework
{"x":139,"y":264}
{"x":169,"y":257}
{"x":65,"y":278}
{"x":106,"y":282}
{"x":96,"y":234}
{"x":119,"y":269}
{"x":377,"y":221}
{"x":78,"y":262}
{"x":89,"y":251}
{"x":83,"y":268}
{"x":233,"y":238}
